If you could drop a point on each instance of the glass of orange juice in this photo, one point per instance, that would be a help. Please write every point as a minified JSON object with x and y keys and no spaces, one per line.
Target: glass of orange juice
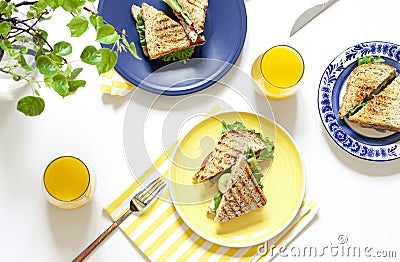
{"x":278,"y":71}
{"x":68,"y":182}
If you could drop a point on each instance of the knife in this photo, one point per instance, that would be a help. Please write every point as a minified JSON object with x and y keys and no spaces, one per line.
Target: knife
{"x":309,"y":15}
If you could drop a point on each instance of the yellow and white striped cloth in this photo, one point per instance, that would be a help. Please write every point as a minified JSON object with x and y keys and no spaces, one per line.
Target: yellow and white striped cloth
{"x":162,"y":235}
{"x":114,"y":84}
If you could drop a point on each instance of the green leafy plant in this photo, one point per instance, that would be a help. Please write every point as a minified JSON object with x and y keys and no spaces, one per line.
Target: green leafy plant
{"x":20,"y":34}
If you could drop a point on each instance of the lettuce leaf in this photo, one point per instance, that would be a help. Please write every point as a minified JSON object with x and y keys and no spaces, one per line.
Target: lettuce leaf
{"x":140,"y":29}
{"x":369,"y":59}
{"x":217,"y":200}
{"x":358,"y":107}
{"x":235,"y":126}
{"x":181,"y":55}
{"x":267,"y":152}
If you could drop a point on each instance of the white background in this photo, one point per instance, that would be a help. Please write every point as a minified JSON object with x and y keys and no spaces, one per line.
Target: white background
{"x":358,"y":198}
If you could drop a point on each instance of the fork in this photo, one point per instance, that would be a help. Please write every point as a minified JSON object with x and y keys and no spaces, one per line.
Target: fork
{"x":137,"y":204}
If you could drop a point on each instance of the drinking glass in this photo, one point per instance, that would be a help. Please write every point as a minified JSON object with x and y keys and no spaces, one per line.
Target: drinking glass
{"x":68,"y":182}
{"x":278,"y":71}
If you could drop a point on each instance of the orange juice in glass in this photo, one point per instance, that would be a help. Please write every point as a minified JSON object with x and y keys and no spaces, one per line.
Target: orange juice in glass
{"x":68,"y":182}
{"x":278,"y":71}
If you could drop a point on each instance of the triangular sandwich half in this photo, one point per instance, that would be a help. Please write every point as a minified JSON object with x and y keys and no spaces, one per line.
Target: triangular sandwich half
{"x":382,"y":111}
{"x":242,"y":195}
{"x":162,"y":35}
{"x":364,"y":81}
{"x":227,"y":150}
{"x":192,"y":16}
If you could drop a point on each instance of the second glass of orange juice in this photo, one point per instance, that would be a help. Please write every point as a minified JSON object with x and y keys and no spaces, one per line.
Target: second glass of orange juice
{"x":278,"y":71}
{"x":68,"y":182}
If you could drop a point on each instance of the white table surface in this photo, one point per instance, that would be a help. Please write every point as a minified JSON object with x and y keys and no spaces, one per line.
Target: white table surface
{"x":358,"y":199}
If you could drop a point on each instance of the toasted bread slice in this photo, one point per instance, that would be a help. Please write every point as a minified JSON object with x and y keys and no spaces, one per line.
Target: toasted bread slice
{"x":224,"y":155}
{"x":242,"y":194}
{"x":383,"y":111}
{"x":363,"y":81}
{"x":196,"y":10}
{"x":163,"y":34}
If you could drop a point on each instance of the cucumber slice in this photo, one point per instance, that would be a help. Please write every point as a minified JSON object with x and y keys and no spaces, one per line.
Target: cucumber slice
{"x":252,"y":162}
{"x":223,"y":182}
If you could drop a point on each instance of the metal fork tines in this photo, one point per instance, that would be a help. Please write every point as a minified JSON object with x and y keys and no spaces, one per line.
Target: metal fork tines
{"x":145,"y":196}
{"x":138,"y":202}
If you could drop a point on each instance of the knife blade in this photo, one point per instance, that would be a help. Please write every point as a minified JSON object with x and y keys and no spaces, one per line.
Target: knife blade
{"x":309,"y":15}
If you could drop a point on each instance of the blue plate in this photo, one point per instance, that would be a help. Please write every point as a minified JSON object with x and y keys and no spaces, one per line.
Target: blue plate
{"x":366,"y":143}
{"x":225,"y":32}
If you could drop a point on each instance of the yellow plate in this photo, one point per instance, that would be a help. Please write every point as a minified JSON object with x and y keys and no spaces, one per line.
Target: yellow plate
{"x":284,"y":184}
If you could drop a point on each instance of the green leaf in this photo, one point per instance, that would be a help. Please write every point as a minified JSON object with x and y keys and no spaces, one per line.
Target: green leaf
{"x":5,"y":28}
{"x":48,"y":80}
{"x":5,"y":45}
{"x":217,"y":200}
{"x":67,"y":70}
{"x":235,"y":126}
{"x":23,"y":49}
{"x":30,"y":14}
{"x":55,"y":58}
{"x":60,"y":85}
{"x":13,"y":53}
{"x":54,"y":4}
{"x":31,"y":105}
{"x":268,"y":151}
{"x":181,"y":55}
{"x":132,"y":49}
{"x":78,"y":25}
{"x":358,"y":107}
{"x":106,"y":34}
{"x":63,"y":48}
{"x":369,"y":59}
{"x":256,"y":169}
{"x":75,"y":73}
{"x":73,"y":5}
{"x":96,"y":21}
{"x":24,"y":65}
{"x":90,"y":55}
{"x":6,"y":8}
{"x":249,"y":153}
{"x":46,"y":66}
{"x":40,"y":6}
{"x":74,"y":85}
{"x":40,"y":37}
{"x":108,"y":60}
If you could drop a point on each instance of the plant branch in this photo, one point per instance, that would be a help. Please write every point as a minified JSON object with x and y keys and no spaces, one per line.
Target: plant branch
{"x":26,"y":3}
{"x":94,"y":13}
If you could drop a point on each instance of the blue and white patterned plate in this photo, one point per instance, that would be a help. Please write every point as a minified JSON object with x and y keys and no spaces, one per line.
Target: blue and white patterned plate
{"x":366,"y":143}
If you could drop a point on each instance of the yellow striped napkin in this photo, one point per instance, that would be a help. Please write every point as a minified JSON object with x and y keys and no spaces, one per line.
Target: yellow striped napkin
{"x":114,"y":84}
{"x":162,"y":235}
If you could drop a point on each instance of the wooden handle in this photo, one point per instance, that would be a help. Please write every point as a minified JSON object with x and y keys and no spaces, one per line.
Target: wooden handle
{"x":95,"y":243}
